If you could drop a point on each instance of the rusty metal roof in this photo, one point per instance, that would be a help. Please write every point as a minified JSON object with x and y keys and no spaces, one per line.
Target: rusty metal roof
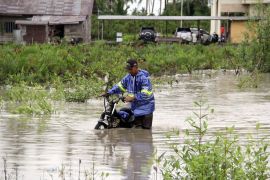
{"x":52,"y":20}
{"x":47,"y":7}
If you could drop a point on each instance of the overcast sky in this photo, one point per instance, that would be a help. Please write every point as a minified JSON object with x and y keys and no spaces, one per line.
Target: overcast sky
{"x":143,"y":4}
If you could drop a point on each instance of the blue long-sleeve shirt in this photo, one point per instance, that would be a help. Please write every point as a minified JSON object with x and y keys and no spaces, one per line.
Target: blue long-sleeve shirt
{"x":140,"y":87}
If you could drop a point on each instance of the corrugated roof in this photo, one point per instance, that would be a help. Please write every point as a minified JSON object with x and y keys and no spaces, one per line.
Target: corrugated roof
{"x":53,"y":20}
{"x":47,"y":7}
{"x":174,"y":18}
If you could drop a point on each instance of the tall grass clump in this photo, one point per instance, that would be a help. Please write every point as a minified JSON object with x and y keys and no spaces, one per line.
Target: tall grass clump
{"x":220,"y":157}
{"x":23,"y":99}
{"x":80,"y":70}
{"x":43,"y":63}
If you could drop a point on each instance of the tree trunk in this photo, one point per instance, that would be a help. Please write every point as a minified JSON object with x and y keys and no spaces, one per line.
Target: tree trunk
{"x":188,"y":8}
{"x":153,"y":5}
{"x":160,"y":6}
{"x":146,"y":6}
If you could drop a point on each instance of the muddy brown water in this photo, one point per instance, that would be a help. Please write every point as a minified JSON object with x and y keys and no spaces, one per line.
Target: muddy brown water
{"x":53,"y":147}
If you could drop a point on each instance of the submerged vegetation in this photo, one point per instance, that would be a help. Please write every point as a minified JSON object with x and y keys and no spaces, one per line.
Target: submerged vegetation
{"x":24,"y":99}
{"x":222,"y":156}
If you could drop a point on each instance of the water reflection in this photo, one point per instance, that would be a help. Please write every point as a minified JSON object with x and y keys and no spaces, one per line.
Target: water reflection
{"x":141,"y":149}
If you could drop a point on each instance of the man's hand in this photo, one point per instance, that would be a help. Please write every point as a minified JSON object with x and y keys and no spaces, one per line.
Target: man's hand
{"x":129,"y":99}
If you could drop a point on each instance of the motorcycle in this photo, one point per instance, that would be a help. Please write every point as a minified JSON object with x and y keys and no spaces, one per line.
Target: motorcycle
{"x":111,"y":118}
{"x":222,"y":39}
{"x":214,"y":37}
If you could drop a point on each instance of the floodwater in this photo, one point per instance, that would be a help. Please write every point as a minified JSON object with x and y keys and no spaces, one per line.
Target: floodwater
{"x":66,"y":146}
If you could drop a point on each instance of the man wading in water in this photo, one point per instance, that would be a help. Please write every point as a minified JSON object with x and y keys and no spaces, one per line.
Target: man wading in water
{"x":138,"y":87}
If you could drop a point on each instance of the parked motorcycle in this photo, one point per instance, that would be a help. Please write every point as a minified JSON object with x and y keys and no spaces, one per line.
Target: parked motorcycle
{"x":222,"y":39}
{"x":214,"y":37}
{"x":111,"y":118}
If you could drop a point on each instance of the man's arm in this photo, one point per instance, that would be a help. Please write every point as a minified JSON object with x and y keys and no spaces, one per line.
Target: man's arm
{"x":119,"y":88}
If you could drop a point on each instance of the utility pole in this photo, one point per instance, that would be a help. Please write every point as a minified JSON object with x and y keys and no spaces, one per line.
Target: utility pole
{"x":181,"y":12}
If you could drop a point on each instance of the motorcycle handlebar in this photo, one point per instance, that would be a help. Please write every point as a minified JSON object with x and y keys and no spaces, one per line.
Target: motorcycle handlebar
{"x":119,"y":98}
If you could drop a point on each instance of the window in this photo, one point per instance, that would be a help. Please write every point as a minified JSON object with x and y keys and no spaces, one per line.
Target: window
{"x":1,"y":27}
{"x":9,"y":27}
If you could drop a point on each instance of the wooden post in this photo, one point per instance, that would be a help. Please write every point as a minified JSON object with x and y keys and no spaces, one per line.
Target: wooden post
{"x":47,"y":33}
{"x":98,"y":30}
{"x":166,"y":28}
{"x":229,"y":38}
{"x":135,"y":29}
{"x":198,"y":26}
{"x":102,"y":30}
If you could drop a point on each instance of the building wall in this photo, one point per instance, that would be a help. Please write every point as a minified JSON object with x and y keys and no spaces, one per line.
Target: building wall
{"x":82,"y":30}
{"x":238,"y":31}
{"x":35,"y":34}
{"x":74,"y":31}
{"x":88,"y":29}
{"x":254,"y":1}
{"x":231,"y":1}
{"x":245,"y":6}
{"x":6,"y":36}
{"x":31,"y":33}
{"x":233,"y":6}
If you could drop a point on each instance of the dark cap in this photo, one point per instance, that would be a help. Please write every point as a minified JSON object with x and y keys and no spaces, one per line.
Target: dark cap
{"x":131,"y":63}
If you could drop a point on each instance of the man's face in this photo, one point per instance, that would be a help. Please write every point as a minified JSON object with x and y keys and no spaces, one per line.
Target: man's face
{"x":133,"y":71}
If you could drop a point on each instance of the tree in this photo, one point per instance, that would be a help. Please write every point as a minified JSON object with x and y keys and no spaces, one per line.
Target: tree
{"x":115,"y":7}
{"x":190,"y":8}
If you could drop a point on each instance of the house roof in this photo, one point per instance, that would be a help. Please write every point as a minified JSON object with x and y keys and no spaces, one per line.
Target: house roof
{"x":47,"y":7}
{"x":52,"y":20}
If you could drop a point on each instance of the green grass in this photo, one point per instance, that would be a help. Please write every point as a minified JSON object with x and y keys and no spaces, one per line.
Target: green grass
{"x":77,"y":73}
{"x":43,"y":63}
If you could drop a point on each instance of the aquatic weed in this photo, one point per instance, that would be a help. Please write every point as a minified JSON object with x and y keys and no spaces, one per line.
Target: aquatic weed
{"x":23,"y":99}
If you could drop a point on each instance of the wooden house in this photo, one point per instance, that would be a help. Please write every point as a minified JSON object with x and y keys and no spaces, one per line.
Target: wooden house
{"x":41,"y":21}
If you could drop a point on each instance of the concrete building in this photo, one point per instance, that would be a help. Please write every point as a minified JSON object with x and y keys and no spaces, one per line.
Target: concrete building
{"x":40,"y":21}
{"x":233,"y":7}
